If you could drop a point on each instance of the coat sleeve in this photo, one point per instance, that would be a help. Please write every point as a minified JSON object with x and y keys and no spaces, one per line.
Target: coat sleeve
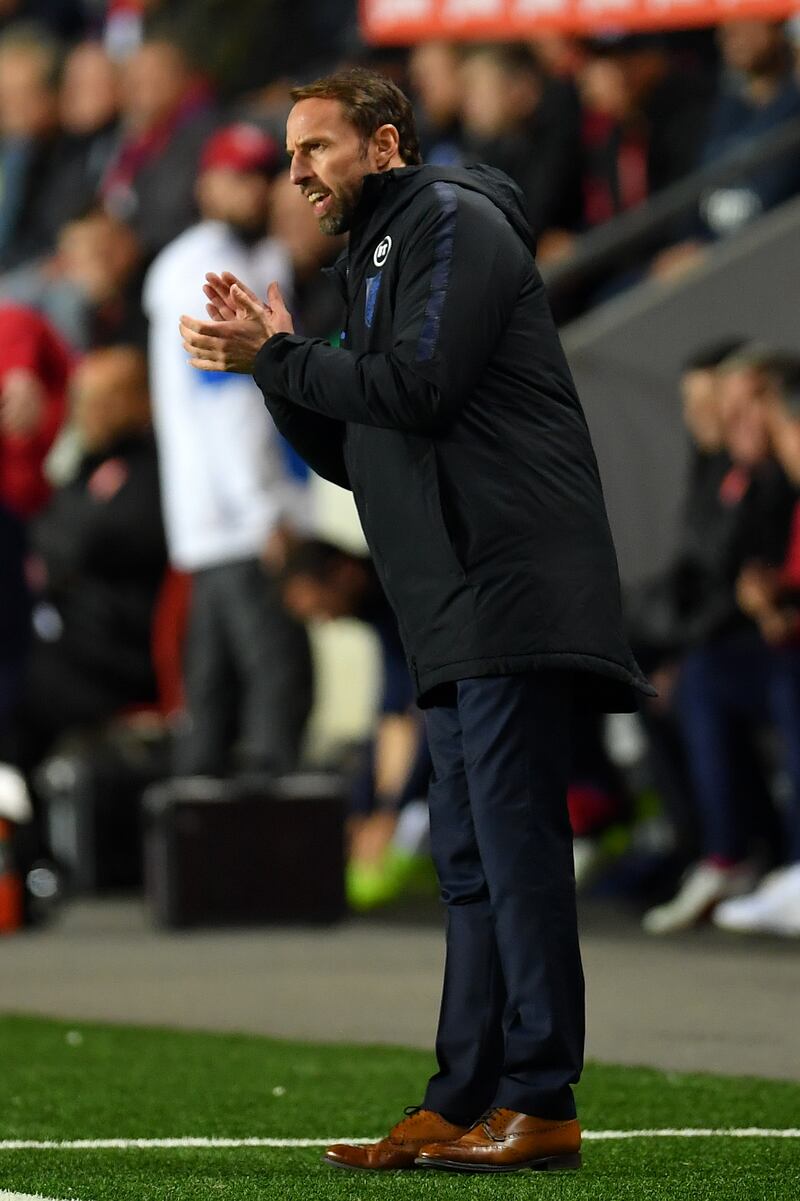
{"x":458,"y":282}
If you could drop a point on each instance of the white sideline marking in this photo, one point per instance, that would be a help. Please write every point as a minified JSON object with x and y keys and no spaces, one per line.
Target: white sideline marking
{"x":147,"y":1144}
{"x":24,"y":1197}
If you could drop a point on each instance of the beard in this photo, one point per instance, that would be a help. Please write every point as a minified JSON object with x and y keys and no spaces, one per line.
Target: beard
{"x":339,"y":216}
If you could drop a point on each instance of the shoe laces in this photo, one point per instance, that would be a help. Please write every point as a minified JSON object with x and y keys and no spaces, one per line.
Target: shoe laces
{"x":486,"y":1118}
{"x":410,"y":1110}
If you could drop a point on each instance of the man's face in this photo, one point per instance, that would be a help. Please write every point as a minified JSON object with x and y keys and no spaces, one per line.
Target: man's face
{"x":28,"y":105}
{"x":750,"y":46}
{"x":98,"y":254}
{"x":337,"y":594}
{"x":329,"y":161}
{"x":240,"y":198}
{"x":701,"y":408}
{"x":293,"y":223}
{"x":309,"y":599}
{"x":109,"y":396}
{"x":89,"y":90}
{"x":746,"y":396}
{"x":495,"y":99}
{"x":154,"y":81}
{"x":435,"y":73}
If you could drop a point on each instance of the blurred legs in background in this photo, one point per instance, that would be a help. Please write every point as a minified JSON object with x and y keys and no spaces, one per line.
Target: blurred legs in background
{"x":728,"y":692}
{"x":248,"y":675}
{"x":774,"y":907}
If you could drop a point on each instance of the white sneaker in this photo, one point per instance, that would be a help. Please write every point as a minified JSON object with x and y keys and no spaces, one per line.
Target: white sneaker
{"x":703,"y":887}
{"x":774,"y":907}
{"x":15,"y":800}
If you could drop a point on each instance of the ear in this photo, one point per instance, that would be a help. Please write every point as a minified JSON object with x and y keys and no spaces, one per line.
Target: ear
{"x":386,"y":141}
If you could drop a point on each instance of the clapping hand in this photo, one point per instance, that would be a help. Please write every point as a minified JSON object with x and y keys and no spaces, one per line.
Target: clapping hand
{"x":240,"y":325}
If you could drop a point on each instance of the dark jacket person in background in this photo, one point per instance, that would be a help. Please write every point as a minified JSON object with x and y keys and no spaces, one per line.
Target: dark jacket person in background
{"x":451,"y":413}
{"x":98,"y":560}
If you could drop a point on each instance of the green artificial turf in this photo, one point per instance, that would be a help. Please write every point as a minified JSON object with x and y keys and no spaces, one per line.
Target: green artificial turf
{"x":62,"y":1080}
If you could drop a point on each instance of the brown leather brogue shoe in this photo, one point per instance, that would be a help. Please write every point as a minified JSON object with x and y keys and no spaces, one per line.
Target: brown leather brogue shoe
{"x":401,"y":1146}
{"x":506,"y":1141}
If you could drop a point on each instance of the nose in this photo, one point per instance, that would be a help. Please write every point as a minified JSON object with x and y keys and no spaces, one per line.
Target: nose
{"x":298,"y":170}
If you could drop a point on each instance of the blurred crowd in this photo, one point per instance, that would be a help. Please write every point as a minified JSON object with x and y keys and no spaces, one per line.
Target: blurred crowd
{"x":720,"y":634}
{"x":157,"y":549}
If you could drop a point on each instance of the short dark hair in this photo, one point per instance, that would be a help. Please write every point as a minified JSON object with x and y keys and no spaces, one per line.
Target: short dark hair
{"x":513,"y":58}
{"x":369,"y":100}
{"x":314,"y":558}
{"x":29,"y":37}
{"x":709,"y":356}
{"x":781,"y":368}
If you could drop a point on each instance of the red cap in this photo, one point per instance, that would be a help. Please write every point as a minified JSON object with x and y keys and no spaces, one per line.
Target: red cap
{"x":241,"y":147}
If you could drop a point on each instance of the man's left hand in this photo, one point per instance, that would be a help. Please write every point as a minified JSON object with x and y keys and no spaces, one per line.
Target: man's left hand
{"x":233,"y":343}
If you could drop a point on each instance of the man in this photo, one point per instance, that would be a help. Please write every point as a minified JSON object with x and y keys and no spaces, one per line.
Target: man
{"x":228,"y":494}
{"x":451,"y":414}
{"x":90,"y":287}
{"x":166,"y":117}
{"x":29,"y":138}
{"x":96,"y":568}
{"x":516,"y":118}
{"x":34,"y":371}
{"x":770,"y":597}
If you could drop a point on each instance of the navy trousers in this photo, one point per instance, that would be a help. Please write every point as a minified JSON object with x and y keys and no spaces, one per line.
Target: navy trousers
{"x":511,"y":1027}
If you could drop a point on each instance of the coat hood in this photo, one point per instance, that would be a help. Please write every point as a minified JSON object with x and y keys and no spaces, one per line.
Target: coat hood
{"x":384,"y":194}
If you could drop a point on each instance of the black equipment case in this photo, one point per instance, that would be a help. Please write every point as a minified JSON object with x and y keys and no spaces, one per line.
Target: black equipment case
{"x":243,"y":852}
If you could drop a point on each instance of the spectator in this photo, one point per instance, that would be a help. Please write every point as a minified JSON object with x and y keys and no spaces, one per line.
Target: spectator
{"x":516,"y":119}
{"x":721,"y":694}
{"x":90,"y":289}
{"x":642,"y":126}
{"x":321,"y":581}
{"x":436,"y":80}
{"x":247,"y":663}
{"x":98,"y":564}
{"x":758,"y":92}
{"x":318,"y":308}
{"x":694,"y":600}
{"x":34,"y":368}
{"x":89,"y":111}
{"x":167,"y":115}
{"x":29,"y":66}
{"x":562,"y":54}
{"x":771,"y":599}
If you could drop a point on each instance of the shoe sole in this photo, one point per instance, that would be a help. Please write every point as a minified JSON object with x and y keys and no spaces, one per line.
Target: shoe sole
{"x":549,"y":1163}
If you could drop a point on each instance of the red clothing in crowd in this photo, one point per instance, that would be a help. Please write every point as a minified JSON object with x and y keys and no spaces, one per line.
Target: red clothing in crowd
{"x":789,"y":577}
{"x":28,"y":341}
